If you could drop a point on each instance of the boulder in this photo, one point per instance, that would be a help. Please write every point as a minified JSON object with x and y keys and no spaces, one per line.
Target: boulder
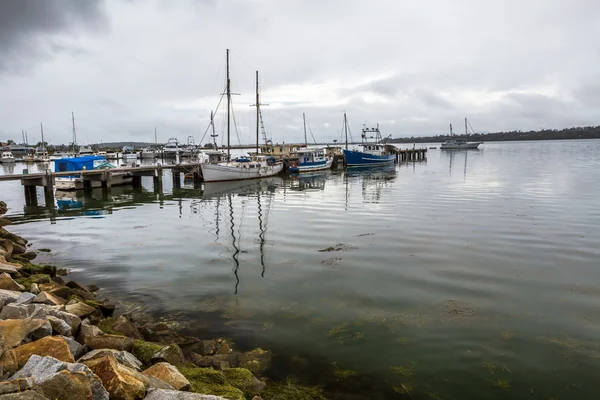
{"x":50,"y":346}
{"x":110,"y":342}
{"x":67,"y":385}
{"x":218,"y":362}
{"x":3,"y":208}
{"x":75,"y":285}
{"x":17,"y":385}
{"x":92,"y":288}
{"x":243,"y":379}
{"x":122,"y":383}
{"x":18,"y":249}
{"x":59,"y":326}
{"x":7,"y":245}
{"x":8,"y":363}
{"x":88,"y":331}
{"x":47,"y":298}
{"x":209,"y":381}
{"x":5,"y":222}
{"x":42,"y":369}
{"x":56,"y":289}
{"x":25,"y":298}
{"x":4,"y":234}
{"x":162,"y":394}
{"x":169,"y":374}
{"x":17,"y":332}
{"x":14,"y":311}
{"x":29,"y":255}
{"x":171,"y":354}
{"x":257,"y":361}
{"x":9,"y":269}
{"x":127,"y":328}
{"x":123,"y":357}
{"x":145,"y":350}
{"x":7,"y":283}
{"x":77,"y":349}
{"x":57,"y":279}
{"x":27,"y":395}
{"x":35,"y":289}
{"x":80,"y":309}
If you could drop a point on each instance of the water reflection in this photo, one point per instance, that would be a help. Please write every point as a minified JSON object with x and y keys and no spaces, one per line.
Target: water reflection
{"x":8,"y":168}
{"x":459,"y":155}
{"x":311,"y":181}
{"x":247,"y":191}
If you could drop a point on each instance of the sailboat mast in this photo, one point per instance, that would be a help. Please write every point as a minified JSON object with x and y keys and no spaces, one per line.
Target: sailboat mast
{"x":212,"y":124}
{"x":304,"y":119}
{"x":155,"y":138}
{"x":346,"y":129}
{"x":74,"y":134}
{"x":43,"y":146}
{"x":228,"y":109}
{"x":257,"y":112}
{"x":466,"y":130}
{"x":451,"y":130}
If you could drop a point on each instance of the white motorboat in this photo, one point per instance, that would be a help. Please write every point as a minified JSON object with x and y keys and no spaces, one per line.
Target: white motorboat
{"x":241,"y":168}
{"x":171,"y":148}
{"x":148,"y":154}
{"x":7,"y":157}
{"x":459,"y":144}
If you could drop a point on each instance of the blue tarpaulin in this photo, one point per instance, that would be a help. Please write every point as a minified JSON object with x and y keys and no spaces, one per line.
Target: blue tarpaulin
{"x":78,"y":163}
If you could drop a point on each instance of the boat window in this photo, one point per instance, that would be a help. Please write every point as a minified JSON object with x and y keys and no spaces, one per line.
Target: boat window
{"x":62,"y":166}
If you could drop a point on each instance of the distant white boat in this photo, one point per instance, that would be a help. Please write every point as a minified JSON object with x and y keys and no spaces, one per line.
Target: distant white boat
{"x":459,"y":144}
{"x":148,"y":154}
{"x":86,"y":151}
{"x":171,"y":148}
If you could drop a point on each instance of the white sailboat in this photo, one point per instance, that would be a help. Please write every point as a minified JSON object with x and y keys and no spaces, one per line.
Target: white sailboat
{"x":459,"y":144}
{"x":240,"y":168}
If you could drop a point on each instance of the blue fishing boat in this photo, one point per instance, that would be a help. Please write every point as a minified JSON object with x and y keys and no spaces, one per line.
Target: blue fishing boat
{"x":372,"y":153}
{"x":311,"y":160}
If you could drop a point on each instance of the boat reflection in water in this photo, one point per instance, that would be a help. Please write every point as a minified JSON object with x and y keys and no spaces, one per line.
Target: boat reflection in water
{"x":308,"y":181}
{"x":247,"y":193}
{"x":374,"y":181}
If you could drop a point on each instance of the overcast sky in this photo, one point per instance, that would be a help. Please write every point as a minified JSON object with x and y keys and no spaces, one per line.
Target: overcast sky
{"x":125,"y":67}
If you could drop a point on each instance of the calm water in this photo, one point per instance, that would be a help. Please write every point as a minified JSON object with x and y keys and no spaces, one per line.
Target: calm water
{"x":473,"y":275}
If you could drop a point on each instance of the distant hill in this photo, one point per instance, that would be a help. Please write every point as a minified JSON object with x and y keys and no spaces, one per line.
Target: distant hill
{"x":585,"y":132}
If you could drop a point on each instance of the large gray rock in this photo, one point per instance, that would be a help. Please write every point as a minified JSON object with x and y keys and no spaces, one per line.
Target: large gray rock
{"x":171,"y":354}
{"x":162,"y":394}
{"x":110,"y":342}
{"x":14,"y":311}
{"x":9,"y":269}
{"x":25,"y":298}
{"x":8,"y":296}
{"x":43,"y":369}
{"x":76,"y":348}
{"x":59,"y":326}
{"x":123,"y":357}
{"x":19,"y":311}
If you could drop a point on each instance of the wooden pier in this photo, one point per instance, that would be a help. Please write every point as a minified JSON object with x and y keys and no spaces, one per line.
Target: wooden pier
{"x":30,"y":182}
{"x":407,"y":155}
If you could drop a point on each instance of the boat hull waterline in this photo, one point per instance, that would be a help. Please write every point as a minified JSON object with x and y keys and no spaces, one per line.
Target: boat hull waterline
{"x":461,"y":146}
{"x":66,"y":183}
{"x":225,"y":173}
{"x":360,"y":159}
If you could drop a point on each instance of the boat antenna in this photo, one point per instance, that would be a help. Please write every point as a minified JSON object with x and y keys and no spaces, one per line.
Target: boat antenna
{"x":346,"y":129}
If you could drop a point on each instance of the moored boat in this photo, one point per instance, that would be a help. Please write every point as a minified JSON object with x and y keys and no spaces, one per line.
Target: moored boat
{"x":311,"y":159}
{"x":7,"y":157}
{"x":373,"y":153}
{"x":241,"y":168}
{"x":75,"y":182}
{"x":459,"y":144}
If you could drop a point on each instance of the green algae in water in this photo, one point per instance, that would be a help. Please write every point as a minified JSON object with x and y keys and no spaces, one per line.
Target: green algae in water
{"x":405,"y":388}
{"x":106,"y":326}
{"x":210,"y":381}
{"x":291,"y":390}
{"x":402,"y":370}
{"x":338,"y":330}
{"x":502,"y":384}
{"x":342,"y":374}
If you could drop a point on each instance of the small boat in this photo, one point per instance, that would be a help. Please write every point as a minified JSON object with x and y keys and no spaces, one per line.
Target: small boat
{"x":86,"y":151}
{"x":241,"y":168}
{"x":313,"y":159}
{"x":75,"y":182}
{"x":7,"y":157}
{"x":148,"y":154}
{"x":310,"y":159}
{"x":374,"y":153}
{"x":171,"y":148}
{"x":459,"y":144}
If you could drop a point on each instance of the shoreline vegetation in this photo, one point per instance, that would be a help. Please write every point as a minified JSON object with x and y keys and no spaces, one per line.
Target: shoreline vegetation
{"x":583,"y":132}
{"x":59,"y":340}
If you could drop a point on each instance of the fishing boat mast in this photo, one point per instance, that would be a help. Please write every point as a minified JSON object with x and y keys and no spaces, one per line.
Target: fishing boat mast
{"x":466,"y":129}
{"x":214,"y":135}
{"x":305,"y":139}
{"x":346,"y":129}
{"x":257,"y":112}
{"x":451,"y":135}
{"x":43,"y":145}
{"x":74,"y":135}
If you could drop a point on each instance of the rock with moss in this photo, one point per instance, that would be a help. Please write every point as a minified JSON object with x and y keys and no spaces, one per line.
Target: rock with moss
{"x":257,"y":361}
{"x":291,"y":390}
{"x":243,"y":379}
{"x":144,"y":351}
{"x":171,"y":354}
{"x":209,"y":381}
{"x":35,"y":278}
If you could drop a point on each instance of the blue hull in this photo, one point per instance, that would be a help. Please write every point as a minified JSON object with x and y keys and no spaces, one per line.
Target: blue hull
{"x":312,"y":166}
{"x":360,"y":159}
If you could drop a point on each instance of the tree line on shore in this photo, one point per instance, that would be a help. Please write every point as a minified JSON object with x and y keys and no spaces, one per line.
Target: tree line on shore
{"x":584,"y":132}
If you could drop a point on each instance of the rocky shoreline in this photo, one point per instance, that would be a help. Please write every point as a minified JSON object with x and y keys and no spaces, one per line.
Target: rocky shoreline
{"x":58,"y":340}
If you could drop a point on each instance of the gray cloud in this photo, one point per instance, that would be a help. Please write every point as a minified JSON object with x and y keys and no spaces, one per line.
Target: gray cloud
{"x":28,"y":27}
{"x":412,"y":66}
